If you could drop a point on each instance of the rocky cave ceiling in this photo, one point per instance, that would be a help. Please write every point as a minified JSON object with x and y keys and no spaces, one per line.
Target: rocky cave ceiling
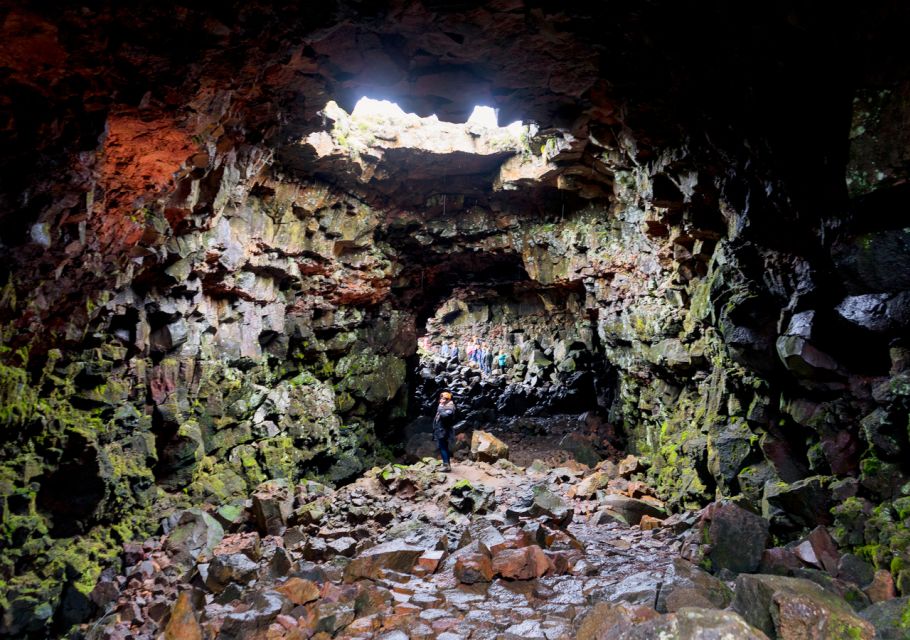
{"x":165,"y":89}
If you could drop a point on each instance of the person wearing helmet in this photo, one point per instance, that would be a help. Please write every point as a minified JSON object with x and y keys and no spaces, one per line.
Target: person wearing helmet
{"x":442,"y":427}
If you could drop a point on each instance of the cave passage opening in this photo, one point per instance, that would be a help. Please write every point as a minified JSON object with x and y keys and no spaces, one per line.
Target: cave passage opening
{"x":544,"y":387}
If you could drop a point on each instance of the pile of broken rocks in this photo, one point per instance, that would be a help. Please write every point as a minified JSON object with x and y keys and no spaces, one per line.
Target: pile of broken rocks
{"x":490,"y":550}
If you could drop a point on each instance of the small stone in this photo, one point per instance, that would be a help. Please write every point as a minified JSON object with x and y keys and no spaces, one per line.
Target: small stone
{"x":649,"y":522}
{"x":430,"y":560}
{"x":882,"y":587}
{"x":298,"y":590}
{"x":629,"y":465}
{"x":472,"y":568}
{"x":521,"y":564}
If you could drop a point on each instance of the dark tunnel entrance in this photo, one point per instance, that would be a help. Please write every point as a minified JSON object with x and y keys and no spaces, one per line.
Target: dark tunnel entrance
{"x":529,"y":367}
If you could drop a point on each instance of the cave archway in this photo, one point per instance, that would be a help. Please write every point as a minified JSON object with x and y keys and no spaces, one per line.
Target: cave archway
{"x":550,"y":396}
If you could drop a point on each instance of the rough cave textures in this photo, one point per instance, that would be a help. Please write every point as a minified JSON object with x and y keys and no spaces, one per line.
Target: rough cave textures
{"x":209,"y":282}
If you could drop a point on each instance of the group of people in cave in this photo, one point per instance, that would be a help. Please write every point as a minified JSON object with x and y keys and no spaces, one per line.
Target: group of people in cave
{"x":478,"y":354}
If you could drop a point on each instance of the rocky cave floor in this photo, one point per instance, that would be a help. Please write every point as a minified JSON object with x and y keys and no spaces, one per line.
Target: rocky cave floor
{"x":490,"y":550}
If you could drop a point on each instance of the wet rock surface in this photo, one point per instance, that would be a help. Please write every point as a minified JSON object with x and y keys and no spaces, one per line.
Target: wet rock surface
{"x":391,"y":556}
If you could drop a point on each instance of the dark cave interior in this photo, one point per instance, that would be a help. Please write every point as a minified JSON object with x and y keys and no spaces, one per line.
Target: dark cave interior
{"x":225,"y":295}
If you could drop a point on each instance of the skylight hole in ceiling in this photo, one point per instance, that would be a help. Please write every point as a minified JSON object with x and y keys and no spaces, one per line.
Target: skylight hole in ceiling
{"x":383,"y":124}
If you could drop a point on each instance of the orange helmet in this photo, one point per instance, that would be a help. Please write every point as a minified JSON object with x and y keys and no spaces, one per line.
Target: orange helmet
{"x":445,"y":395}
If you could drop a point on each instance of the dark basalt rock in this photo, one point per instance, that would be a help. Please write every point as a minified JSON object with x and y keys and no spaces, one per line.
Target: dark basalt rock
{"x":196,"y":301}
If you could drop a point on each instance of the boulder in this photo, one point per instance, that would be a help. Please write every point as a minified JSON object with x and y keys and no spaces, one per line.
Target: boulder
{"x":693,"y":624}
{"x":546,"y":503}
{"x":796,"y":609}
{"x":228,"y":568}
{"x":525,"y":563}
{"x":486,"y":447}
{"x":468,"y":498}
{"x":484,"y":533}
{"x":640,"y":588}
{"x":472,"y":568}
{"x":630,"y":510}
{"x":298,"y":590}
{"x":608,"y":621}
{"x":779,"y":561}
{"x":685,"y":585}
{"x":890,"y":618}
{"x":727,"y":537}
{"x":194,"y":538}
{"x":629,"y":465}
{"x":851,"y":593}
{"x":273,"y":502}
{"x":395,"y":555}
{"x":183,"y":624}
{"x":588,"y":487}
{"x":803,"y":504}
{"x":882,"y":586}
{"x":264,"y":608}
{"x":854,"y":569}
{"x":248,"y":544}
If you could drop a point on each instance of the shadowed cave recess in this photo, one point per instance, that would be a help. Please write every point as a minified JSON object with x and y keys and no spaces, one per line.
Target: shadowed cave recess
{"x":224,"y":290}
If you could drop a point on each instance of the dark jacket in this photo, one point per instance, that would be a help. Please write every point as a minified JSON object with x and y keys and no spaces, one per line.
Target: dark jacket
{"x":444,"y":420}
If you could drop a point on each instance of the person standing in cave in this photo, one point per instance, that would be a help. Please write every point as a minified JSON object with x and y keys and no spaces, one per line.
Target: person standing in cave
{"x":487,"y":359}
{"x":442,"y":427}
{"x":445,"y":350}
{"x":501,"y":360}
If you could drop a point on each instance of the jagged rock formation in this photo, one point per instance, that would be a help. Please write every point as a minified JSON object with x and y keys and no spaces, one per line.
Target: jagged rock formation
{"x":195,"y":302}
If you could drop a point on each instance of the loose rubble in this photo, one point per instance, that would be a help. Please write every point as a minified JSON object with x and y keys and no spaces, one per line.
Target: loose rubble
{"x":486,"y":551}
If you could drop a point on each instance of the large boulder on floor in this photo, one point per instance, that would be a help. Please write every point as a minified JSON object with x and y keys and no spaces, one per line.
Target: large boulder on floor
{"x":626,"y":622}
{"x":299,"y":590}
{"x":727,"y":536}
{"x":194,"y":538}
{"x":465,"y":497}
{"x":486,"y":447}
{"x":890,"y":618}
{"x":685,"y":585}
{"x":693,"y":624}
{"x":395,"y":555}
{"x":629,"y":510}
{"x":608,"y":621}
{"x":640,"y":588}
{"x":796,"y":609}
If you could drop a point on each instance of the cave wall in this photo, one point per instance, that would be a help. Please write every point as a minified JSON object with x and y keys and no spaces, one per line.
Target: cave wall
{"x":182,"y":316}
